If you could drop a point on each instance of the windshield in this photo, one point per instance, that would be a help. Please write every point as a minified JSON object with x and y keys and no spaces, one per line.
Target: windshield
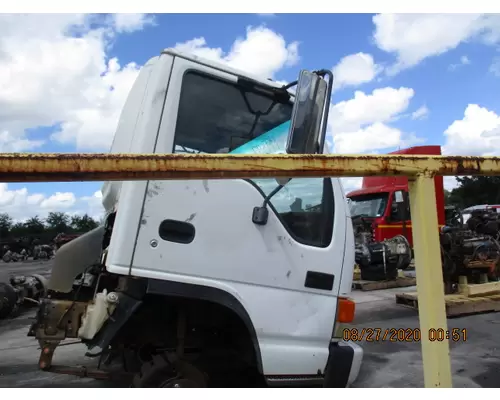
{"x":217,"y":116}
{"x":369,"y":205}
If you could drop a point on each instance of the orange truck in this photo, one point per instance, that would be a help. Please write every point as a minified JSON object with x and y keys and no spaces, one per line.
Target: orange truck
{"x":384,"y":200}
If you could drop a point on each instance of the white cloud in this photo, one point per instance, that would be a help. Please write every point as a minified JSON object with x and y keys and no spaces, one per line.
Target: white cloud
{"x":20,"y":204}
{"x":375,"y":136}
{"x":477,"y":133}
{"x":495,"y":67}
{"x":464,"y":60}
{"x":131,"y":22}
{"x":49,"y":76}
{"x":262,"y":52}
{"x":92,"y":127}
{"x":58,"y":201}
{"x":450,"y":182}
{"x":355,"y":69}
{"x":17,"y":142}
{"x":420,"y":113}
{"x":361,"y":124}
{"x":415,"y":37}
{"x":382,"y":105}
{"x":350,"y":184}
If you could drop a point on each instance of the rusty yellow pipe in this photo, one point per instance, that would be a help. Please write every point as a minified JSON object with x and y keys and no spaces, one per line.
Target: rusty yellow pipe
{"x":40,"y":167}
{"x":430,"y":288}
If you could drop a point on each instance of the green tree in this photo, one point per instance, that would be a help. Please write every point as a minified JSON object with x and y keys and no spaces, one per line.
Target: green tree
{"x":19,"y":229}
{"x":476,"y":190}
{"x":34,"y":225}
{"x":58,"y":222}
{"x":83,"y":223}
{"x":5,"y":225}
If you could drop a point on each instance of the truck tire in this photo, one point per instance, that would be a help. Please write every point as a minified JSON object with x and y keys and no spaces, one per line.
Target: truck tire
{"x":161,"y":373}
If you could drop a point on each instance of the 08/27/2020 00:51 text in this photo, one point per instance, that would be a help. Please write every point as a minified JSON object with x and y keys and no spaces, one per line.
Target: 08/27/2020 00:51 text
{"x":403,"y":334}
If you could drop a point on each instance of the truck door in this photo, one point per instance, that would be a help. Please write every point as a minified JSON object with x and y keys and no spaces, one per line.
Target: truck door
{"x":286,"y":274}
{"x":399,"y":221}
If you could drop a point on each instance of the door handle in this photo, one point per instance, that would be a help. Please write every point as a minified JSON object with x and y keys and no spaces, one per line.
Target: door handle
{"x":177,"y":231}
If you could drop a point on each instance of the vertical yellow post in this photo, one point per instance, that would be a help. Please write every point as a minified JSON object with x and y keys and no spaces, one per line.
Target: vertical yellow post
{"x":430,"y":287}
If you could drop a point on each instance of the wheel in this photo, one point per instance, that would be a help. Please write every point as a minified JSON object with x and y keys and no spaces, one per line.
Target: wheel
{"x":160,"y":372}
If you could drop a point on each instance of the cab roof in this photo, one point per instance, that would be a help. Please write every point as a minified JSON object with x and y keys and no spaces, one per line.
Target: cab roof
{"x":222,"y":67}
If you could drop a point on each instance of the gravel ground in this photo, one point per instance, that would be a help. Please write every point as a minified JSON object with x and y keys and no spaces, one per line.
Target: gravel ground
{"x":475,"y":363}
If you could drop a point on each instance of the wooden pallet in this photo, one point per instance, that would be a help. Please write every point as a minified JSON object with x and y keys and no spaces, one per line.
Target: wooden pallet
{"x":379,"y":285}
{"x":456,"y":304}
{"x":482,"y":289}
{"x":356,"y":275}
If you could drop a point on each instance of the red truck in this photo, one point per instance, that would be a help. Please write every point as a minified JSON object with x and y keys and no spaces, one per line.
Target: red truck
{"x":385,"y":200}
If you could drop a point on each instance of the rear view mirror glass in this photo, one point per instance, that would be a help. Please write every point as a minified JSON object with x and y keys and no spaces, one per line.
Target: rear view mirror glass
{"x":307,"y":114}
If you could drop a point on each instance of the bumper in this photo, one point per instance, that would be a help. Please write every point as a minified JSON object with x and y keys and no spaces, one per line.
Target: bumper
{"x":344,"y":362}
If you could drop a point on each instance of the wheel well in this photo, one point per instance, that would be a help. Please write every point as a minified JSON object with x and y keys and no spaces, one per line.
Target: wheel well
{"x":212,"y":330}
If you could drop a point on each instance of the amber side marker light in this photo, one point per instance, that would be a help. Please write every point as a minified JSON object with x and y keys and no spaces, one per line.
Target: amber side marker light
{"x":345,"y":310}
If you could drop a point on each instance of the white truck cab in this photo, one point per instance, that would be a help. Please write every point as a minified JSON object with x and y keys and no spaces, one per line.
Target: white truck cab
{"x":186,"y":272}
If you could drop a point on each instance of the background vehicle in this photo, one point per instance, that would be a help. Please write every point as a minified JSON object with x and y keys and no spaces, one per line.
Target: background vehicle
{"x":383,"y":205}
{"x":384,"y":200}
{"x":467,"y":212}
{"x":201,"y":282}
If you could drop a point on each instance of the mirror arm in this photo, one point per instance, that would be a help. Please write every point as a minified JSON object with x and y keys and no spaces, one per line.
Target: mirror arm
{"x":260,"y":214}
{"x":271,"y":195}
{"x":289,"y":85}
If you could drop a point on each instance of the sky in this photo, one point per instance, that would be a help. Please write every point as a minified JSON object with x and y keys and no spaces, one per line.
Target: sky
{"x":400,"y":80}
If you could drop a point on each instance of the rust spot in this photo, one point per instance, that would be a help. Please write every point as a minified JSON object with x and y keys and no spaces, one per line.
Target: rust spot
{"x":460,"y":167}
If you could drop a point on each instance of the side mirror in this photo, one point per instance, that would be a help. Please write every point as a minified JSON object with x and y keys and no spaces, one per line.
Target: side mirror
{"x":310,"y":113}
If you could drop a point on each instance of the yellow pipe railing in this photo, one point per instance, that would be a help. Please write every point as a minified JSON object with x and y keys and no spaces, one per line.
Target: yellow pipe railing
{"x":40,"y":167}
{"x":419,"y":169}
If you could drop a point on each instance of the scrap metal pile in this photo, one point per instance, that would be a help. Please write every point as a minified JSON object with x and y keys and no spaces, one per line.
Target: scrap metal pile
{"x":20,"y":291}
{"x":471,"y":249}
{"x":379,"y":260}
{"x":21,"y":249}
